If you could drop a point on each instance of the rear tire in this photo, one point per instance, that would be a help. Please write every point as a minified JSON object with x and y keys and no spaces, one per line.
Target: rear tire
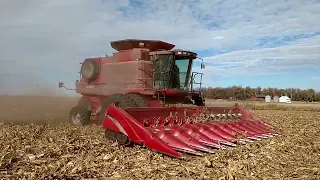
{"x":84,"y":103}
{"x":79,"y":116}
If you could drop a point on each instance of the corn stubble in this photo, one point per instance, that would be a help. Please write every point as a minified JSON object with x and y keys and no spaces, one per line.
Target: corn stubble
{"x":61,"y":151}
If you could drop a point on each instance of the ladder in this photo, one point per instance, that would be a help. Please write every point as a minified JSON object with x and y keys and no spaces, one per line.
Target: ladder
{"x":162,"y":96}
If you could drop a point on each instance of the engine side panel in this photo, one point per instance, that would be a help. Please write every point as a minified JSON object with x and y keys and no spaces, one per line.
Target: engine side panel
{"x":119,"y":77}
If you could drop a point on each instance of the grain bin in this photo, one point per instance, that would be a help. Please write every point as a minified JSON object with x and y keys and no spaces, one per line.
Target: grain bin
{"x":275,"y":98}
{"x":267,"y":98}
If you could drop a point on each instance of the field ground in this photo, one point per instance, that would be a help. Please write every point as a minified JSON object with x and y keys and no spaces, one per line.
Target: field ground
{"x":294,"y":104}
{"x":36,"y":143}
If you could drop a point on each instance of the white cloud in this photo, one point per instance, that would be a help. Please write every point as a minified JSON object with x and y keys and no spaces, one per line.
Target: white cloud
{"x":301,"y":54}
{"x":42,"y":36}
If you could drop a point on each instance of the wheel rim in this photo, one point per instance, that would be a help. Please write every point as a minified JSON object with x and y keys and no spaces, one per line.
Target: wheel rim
{"x":76,"y":119}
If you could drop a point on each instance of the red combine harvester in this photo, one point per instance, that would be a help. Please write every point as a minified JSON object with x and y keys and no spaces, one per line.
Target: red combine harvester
{"x":133,"y":94}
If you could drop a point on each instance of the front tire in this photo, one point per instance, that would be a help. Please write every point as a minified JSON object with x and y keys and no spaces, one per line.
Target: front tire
{"x":138,"y":100}
{"x":198,"y":101}
{"x":124,"y":101}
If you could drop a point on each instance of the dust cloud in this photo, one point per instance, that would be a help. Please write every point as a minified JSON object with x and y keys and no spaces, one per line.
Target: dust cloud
{"x":31,"y":98}
{"x":23,"y":84}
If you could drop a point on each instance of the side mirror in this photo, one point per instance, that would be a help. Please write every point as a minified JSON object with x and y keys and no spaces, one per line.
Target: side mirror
{"x":61,"y":84}
{"x":203,"y":66}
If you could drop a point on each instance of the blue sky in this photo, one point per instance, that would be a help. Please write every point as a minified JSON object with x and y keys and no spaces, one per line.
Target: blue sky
{"x":243,"y":42}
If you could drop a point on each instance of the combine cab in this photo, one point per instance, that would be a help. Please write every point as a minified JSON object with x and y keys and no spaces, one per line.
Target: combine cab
{"x":135,"y":92}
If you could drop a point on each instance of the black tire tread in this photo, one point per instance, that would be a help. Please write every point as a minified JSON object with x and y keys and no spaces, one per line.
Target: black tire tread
{"x":198,"y":101}
{"x":124,"y":102}
{"x":84,"y":113}
{"x":84,"y":103}
{"x":138,"y":100}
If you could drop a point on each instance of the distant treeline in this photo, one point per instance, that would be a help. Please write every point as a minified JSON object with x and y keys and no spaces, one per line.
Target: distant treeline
{"x":244,"y":93}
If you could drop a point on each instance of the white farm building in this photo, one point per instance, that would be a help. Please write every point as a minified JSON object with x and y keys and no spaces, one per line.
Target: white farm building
{"x":284,"y":99}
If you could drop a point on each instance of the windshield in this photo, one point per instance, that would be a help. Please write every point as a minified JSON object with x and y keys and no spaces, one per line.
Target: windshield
{"x":184,"y":66}
{"x":163,"y":67}
{"x":171,"y":72}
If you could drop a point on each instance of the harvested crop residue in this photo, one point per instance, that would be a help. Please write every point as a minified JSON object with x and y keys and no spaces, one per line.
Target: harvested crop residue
{"x":44,"y":150}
